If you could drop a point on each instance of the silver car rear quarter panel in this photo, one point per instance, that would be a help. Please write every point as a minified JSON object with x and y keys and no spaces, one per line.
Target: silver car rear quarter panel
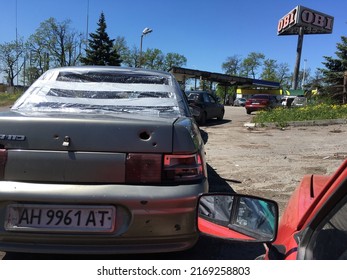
{"x":149,"y":218}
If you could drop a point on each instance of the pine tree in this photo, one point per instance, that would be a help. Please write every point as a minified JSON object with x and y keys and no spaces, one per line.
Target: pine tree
{"x":335,"y":68}
{"x":100,"y":49}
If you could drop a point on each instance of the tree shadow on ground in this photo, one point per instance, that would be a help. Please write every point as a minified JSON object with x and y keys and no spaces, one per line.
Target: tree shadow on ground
{"x":215,"y":122}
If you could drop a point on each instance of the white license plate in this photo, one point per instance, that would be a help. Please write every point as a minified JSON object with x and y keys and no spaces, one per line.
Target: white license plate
{"x":60,"y":218}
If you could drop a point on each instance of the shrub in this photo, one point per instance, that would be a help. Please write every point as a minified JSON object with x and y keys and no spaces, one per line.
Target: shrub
{"x":281,"y":116}
{"x":7,"y":99}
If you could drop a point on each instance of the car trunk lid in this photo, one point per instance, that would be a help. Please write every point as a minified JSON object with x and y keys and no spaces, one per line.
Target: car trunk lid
{"x":82,"y":148}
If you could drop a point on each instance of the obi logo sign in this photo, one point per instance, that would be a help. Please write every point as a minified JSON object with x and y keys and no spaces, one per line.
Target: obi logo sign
{"x":311,"y":22}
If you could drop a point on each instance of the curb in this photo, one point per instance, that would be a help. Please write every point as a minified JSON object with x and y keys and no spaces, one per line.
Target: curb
{"x":299,"y":123}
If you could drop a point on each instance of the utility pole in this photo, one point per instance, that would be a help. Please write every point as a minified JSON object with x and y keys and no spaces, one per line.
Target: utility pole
{"x":344,"y":98}
{"x":304,"y":75}
{"x":87,"y":24}
{"x":17,"y":41}
{"x":144,"y":33}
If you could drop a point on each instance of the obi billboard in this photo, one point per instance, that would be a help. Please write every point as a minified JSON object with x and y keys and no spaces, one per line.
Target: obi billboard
{"x":311,"y":22}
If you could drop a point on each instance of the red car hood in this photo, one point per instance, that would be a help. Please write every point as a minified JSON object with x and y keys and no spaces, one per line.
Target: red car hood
{"x":299,"y":204}
{"x":304,"y":203}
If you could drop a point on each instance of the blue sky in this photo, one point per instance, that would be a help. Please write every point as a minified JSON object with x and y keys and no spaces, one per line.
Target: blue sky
{"x":206,"y":32}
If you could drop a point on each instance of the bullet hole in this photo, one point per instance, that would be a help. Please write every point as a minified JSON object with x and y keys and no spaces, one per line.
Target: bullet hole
{"x":144,"y":135}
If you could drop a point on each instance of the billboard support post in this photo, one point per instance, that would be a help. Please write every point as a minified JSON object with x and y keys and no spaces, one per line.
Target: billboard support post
{"x":298,"y":59}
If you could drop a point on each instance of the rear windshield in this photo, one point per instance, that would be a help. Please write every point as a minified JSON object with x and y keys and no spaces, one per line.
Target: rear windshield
{"x":102,"y":92}
{"x":261,"y":96}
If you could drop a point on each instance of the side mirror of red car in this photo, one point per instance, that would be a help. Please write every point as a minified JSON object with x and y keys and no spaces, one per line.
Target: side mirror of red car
{"x":238,"y":217}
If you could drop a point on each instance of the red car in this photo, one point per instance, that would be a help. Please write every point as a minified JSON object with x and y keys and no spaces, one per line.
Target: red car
{"x":313,"y":225}
{"x":261,"y":102}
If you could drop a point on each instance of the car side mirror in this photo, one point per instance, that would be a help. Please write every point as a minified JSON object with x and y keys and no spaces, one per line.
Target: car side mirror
{"x":194,"y":111}
{"x":238,"y":217}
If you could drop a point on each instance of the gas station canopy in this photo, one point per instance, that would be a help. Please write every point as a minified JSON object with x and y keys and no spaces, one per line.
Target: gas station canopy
{"x":182,"y":74}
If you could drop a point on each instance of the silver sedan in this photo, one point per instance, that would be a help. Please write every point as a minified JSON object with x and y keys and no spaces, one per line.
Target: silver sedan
{"x":100,"y":160}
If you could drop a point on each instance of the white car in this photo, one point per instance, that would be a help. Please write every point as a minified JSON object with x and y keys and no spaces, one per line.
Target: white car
{"x":240,"y":102}
{"x":299,"y":101}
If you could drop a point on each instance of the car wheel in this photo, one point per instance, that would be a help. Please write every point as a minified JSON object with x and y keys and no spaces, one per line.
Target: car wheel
{"x":202,"y":118}
{"x":220,"y":117}
{"x":248,"y":112}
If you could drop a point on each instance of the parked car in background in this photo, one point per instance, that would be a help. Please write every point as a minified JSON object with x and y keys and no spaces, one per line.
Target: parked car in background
{"x":294,"y":101}
{"x":261,"y":102}
{"x":240,"y":102}
{"x":207,"y":105}
{"x":286,"y":101}
{"x":299,"y":101}
{"x":313,"y":225}
{"x":100,"y":160}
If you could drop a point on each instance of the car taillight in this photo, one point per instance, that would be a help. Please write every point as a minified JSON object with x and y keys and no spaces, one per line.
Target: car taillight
{"x":179,"y":168}
{"x":143,"y":168}
{"x":3,"y":159}
{"x":156,"y":168}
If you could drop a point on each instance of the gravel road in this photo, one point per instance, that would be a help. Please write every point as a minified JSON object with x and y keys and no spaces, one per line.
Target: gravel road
{"x":269,"y":162}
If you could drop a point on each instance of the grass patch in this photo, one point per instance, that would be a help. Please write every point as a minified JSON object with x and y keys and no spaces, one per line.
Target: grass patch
{"x":7,"y":99}
{"x":282,"y":116}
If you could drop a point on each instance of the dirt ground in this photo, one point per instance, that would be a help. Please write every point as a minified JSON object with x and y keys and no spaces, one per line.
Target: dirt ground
{"x":269,"y":162}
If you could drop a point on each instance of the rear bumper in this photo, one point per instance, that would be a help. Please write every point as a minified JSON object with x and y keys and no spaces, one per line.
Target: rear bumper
{"x":149,"y":218}
{"x":253,"y":108}
{"x":141,"y":246}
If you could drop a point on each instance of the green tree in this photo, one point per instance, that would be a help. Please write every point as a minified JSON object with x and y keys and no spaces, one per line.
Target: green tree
{"x":317,"y":81}
{"x":37,"y":55}
{"x":232,"y":65}
{"x":100,"y":49}
{"x":278,"y":72}
{"x":153,"y":59}
{"x":11,"y":63}
{"x":120,"y":46}
{"x":54,"y":44}
{"x":174,"y":59}
{"x":284,"y":77}
{"x":131,"y":57}
{"x":333,"y":72}
{"x":251,"y":64}
{"x":269,"y":70}
{"x":55,"y":41}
